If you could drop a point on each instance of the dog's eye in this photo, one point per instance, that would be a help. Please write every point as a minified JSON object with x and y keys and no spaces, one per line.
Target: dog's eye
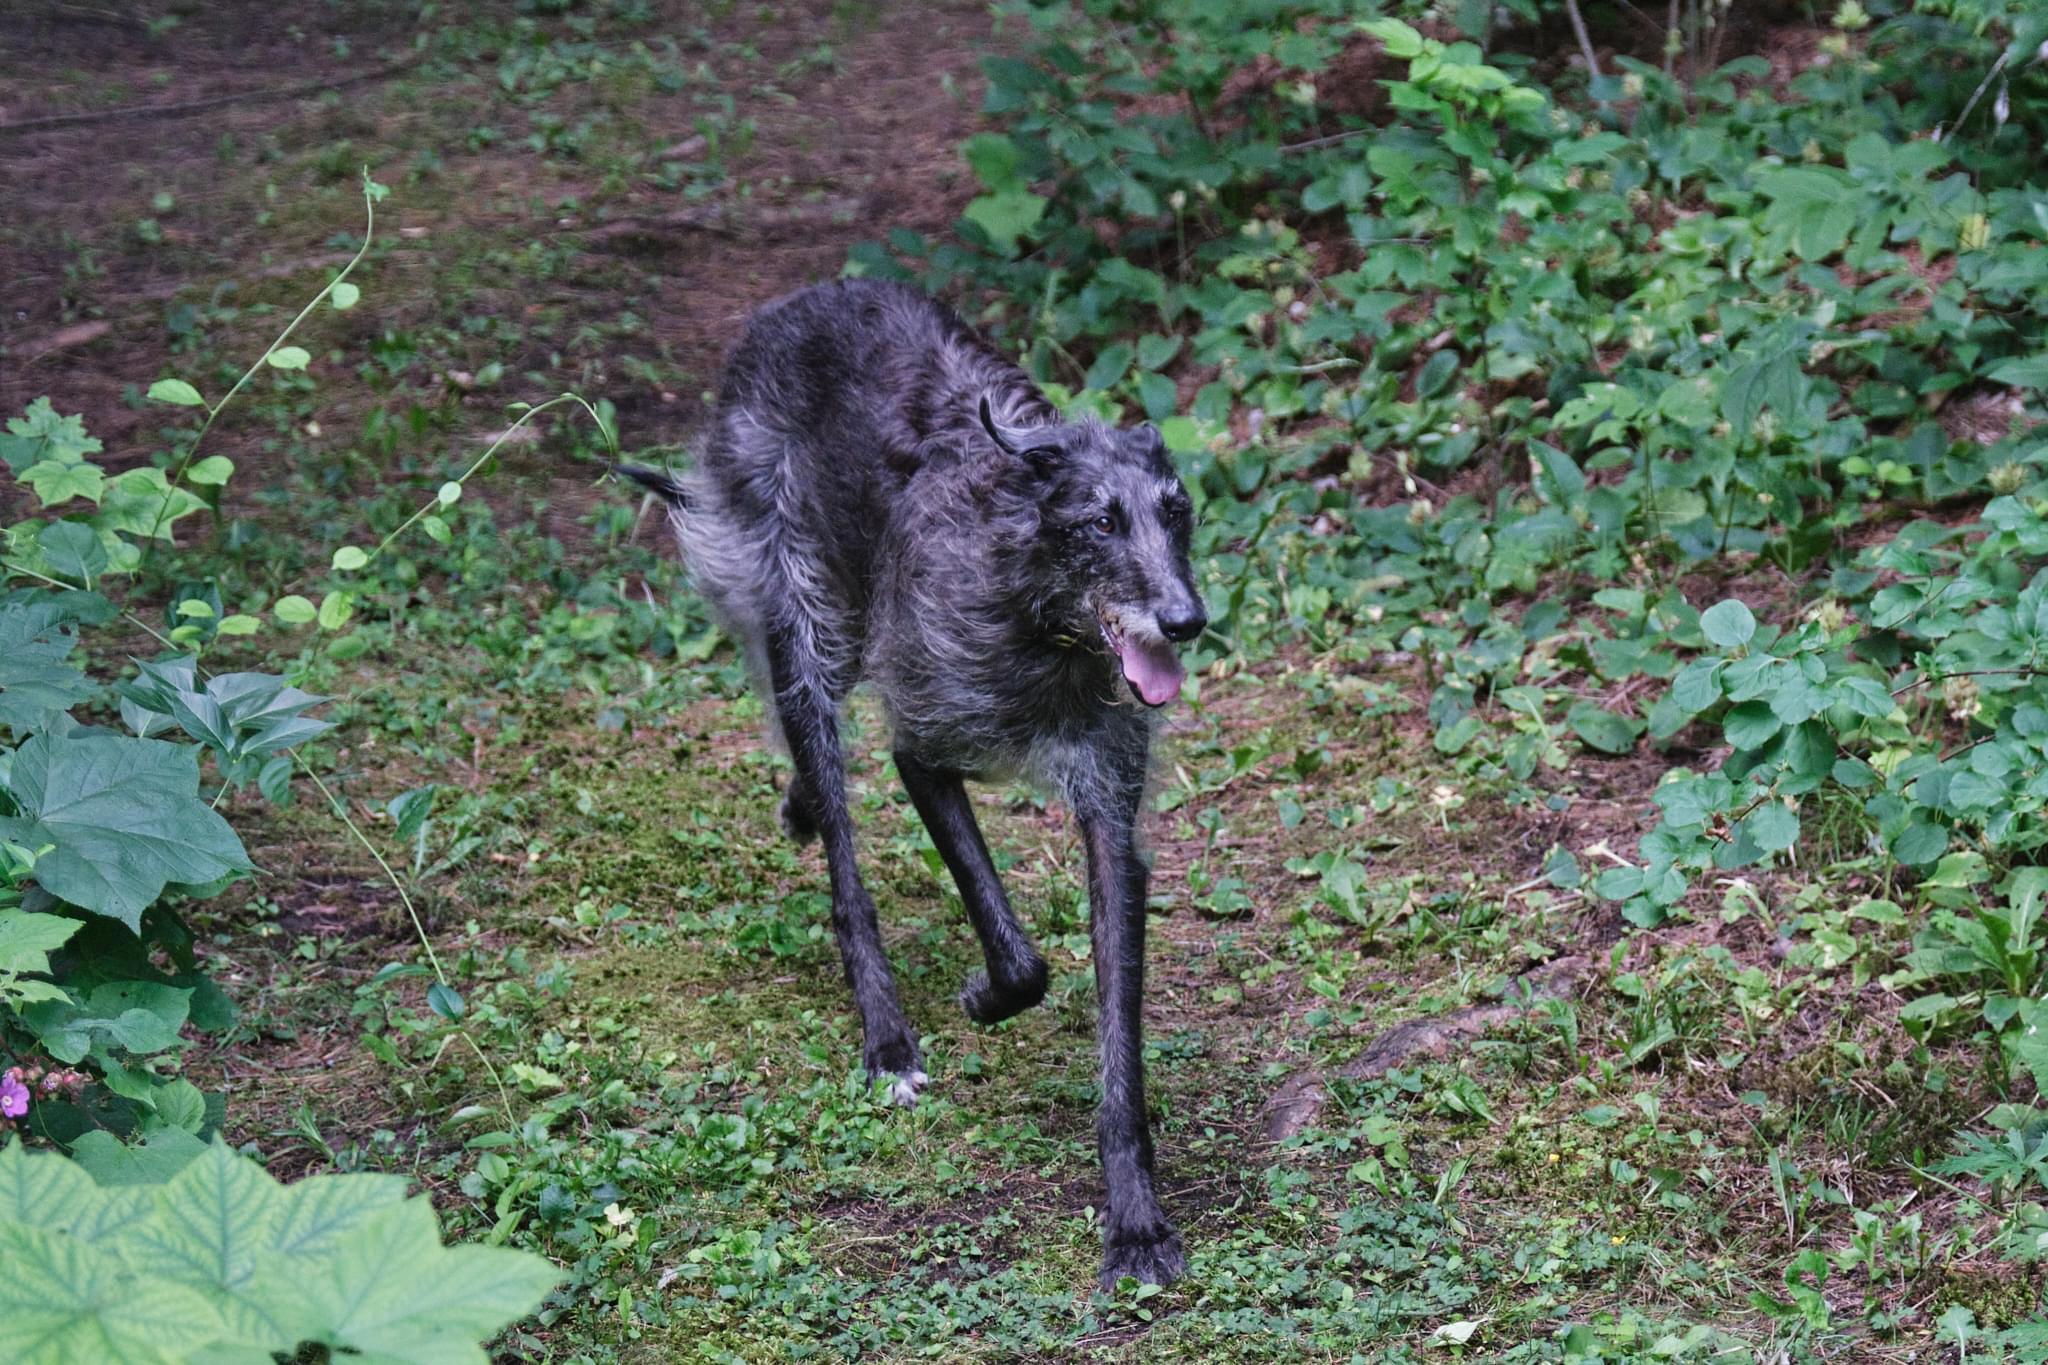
{"x":1106,"y":523}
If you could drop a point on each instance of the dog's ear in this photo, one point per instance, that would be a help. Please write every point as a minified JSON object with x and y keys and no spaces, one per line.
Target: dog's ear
{"x":1026,"y":443}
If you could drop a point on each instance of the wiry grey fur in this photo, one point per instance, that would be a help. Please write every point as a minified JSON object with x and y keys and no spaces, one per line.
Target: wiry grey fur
{"x":882,"y":497}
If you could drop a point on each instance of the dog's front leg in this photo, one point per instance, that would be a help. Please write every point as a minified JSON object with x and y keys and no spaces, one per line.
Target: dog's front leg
{"x":1137,"y":1238}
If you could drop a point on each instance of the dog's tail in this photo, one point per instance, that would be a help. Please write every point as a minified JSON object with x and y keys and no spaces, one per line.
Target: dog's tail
{"x":658,"y":482}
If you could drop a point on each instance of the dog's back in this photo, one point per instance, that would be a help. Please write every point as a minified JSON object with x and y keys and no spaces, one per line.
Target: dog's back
{"x":834,"y":398}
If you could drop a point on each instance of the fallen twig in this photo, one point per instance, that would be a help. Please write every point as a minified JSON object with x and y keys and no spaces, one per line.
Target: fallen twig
{"x":183,"y":107}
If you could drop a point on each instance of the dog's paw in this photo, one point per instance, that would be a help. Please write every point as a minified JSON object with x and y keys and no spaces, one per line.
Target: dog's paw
{"x":897,"y":1064}
{"x":903,"y":1088}
{"x":796,"y":818}
{"x":986,"y":1002}
{"x":1151,"y":1256}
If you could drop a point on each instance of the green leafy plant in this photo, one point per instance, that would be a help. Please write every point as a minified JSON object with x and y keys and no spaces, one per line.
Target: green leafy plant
{"x":214,"y":1259}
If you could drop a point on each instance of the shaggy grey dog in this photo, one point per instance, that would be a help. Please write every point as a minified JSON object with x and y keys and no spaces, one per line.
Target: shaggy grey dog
{"x":882,"y":497}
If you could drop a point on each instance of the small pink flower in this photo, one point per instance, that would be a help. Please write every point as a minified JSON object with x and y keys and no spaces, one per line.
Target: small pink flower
{"x":13,"y":1098}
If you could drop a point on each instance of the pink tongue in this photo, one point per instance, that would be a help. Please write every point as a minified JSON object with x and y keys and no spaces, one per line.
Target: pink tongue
{"x":1153,"y":669}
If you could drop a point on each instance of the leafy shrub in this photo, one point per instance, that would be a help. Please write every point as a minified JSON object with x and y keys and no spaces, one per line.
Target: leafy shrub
{"x":1708,"y":326}
{"x":170,"y":1248}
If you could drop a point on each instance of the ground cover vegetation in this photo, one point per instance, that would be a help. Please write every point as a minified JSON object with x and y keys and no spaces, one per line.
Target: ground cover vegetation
{"x":1598,"y":878}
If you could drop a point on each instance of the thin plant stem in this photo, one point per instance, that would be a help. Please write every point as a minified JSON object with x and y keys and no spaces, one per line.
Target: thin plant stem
{"x":1571,"y":8}
{"x":171,"y":484}
{"x":611,"y":444}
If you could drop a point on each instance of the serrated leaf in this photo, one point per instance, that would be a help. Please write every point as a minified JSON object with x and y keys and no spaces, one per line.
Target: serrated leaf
{"x":1400,"y":40}
{"x":40,"y":434}
{"x":288,"y":358}
{"x":56,"y":481}
{"x":1774,"y":826}
{"x":125,"y":819}
{"x":63,"y":1301}
{"x":177,"y":392}
{"x":215,"y":1225}
{"x":161,"y":1155}
{"x":208,"y":1257}
{"x":318,"y":1212}
{"x":1698,"y":685}
{"x":1005,"y":216}
{"x":49,"y":1194}
{"x":388,"y":1288}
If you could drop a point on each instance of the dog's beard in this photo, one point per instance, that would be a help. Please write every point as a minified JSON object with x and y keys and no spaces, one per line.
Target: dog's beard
{"x":1150,"y":665}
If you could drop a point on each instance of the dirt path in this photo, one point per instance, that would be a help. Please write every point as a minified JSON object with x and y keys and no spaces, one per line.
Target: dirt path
{"x":751,"y":151}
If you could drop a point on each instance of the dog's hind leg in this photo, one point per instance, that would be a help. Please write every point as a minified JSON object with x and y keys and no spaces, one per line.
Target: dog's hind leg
{"x":1138,"y":1240}
{"x":809,"y":713}
{"x":1015,"y":979}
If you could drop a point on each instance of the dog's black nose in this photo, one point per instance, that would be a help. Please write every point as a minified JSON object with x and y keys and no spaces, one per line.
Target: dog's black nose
{"x":1183,"y":628}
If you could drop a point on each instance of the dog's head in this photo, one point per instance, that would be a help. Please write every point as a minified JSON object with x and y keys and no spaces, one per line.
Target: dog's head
{"x":1112,"y":542}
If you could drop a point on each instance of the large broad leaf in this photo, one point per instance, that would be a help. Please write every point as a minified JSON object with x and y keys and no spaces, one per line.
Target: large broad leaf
{"x":64,"y":1300}
{"x":47,"y":1194}
{"x":390,"y":1289}
{"x":141,"y":1017}
{"x":220,"y":1263}
{"x":215,"y":1228}
{"x":72,"y":550}
{"x":125,"y":818}
{"x":156,"y":1159}
{"x":321,"y":1210}
{"x":35,"y":680}
{"x":2026,"y":372}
